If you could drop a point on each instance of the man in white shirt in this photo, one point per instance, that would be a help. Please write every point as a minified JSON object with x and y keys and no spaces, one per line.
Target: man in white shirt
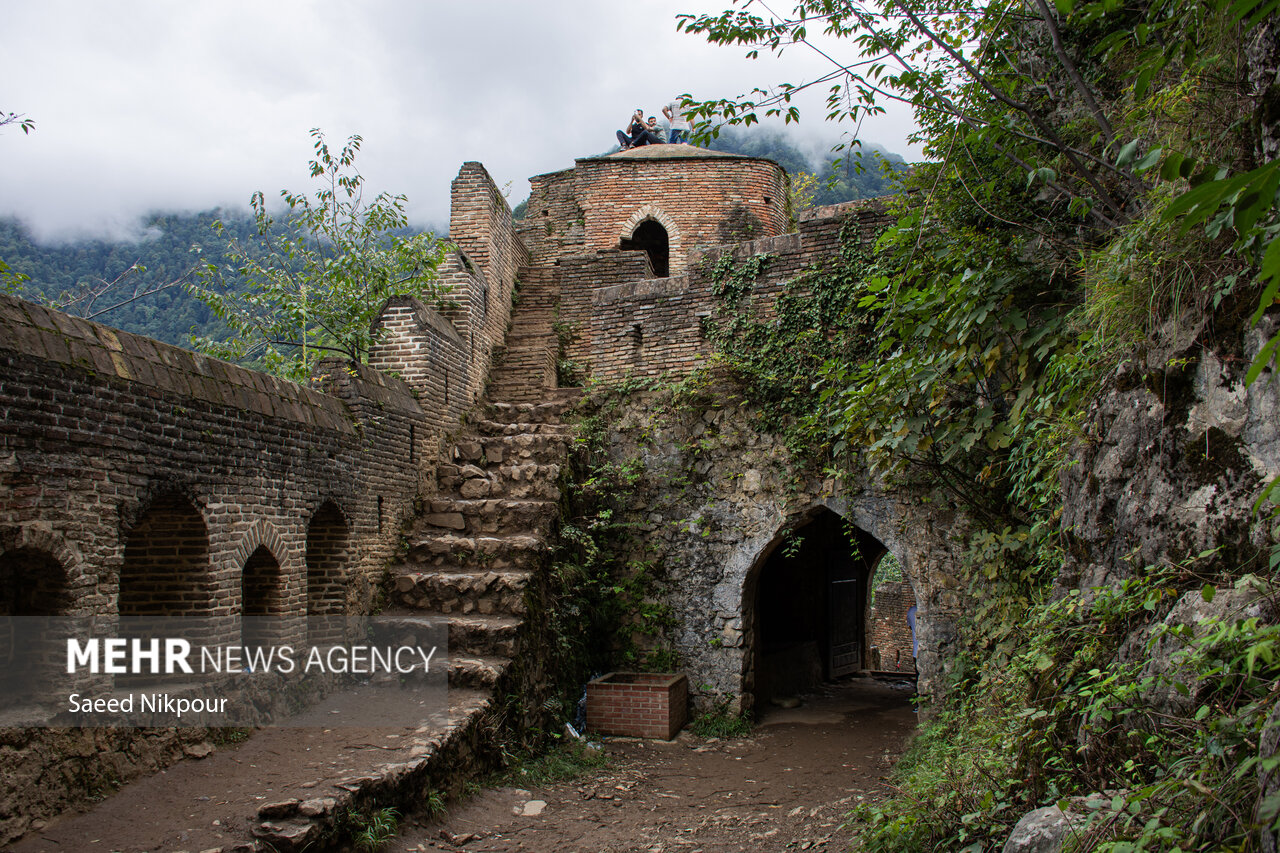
{"x":680,"y":125}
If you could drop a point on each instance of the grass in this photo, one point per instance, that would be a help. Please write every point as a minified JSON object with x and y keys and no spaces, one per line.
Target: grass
{"x":568,"y":759}
{"x":722,"y":723}
{"x":375,"y":829}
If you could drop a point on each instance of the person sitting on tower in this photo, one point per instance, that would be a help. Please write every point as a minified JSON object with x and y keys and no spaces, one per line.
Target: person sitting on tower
{"x":635,"y":131}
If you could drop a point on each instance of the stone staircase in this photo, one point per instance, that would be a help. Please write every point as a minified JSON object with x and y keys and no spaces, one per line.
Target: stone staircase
{"x":475,"y":559}
{"x":476,"y":546}
{"x":527,"y":364}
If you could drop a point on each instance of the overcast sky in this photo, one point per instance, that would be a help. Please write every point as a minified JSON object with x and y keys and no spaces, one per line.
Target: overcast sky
{"x":172,"y":105}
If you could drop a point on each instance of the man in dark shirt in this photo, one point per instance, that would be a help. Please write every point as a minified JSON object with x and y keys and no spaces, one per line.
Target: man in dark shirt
{"x":635,"y":132}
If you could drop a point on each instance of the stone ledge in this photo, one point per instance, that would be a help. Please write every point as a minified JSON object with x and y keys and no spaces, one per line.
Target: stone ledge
{"x":39,"y":332}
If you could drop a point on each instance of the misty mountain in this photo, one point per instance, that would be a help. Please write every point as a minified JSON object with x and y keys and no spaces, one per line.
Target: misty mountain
{"x":171,"y":247}
{"x":859,"y":171}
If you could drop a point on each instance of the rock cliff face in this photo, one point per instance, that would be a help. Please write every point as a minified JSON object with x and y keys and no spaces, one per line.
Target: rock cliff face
{"x":1175,"y":451}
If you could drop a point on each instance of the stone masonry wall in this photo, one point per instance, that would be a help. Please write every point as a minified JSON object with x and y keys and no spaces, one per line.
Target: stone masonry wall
{"x":717,"y":496}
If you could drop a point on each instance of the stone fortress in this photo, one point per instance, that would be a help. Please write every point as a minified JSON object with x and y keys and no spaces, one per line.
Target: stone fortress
{"x":138,"y":480}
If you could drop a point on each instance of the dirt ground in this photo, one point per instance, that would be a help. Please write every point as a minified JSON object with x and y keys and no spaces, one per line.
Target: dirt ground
{"x":786,"y":787}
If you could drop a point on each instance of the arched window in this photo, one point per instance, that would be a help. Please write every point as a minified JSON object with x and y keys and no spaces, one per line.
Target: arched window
{"x":33,"y":591}
{"x":166,"y":588}
{"x":651,"y":237}
{"x":262,"y":599}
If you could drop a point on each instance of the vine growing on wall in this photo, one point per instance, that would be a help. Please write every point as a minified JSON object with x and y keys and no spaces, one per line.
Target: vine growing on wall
{"x":609,"y":587}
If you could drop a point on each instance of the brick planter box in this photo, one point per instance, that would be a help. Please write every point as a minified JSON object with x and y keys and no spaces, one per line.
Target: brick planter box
{"x":638,"y":704}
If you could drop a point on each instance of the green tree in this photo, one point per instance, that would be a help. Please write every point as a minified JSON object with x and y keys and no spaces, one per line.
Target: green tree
{"x":10,"y":279}
{"x":312,"y":285}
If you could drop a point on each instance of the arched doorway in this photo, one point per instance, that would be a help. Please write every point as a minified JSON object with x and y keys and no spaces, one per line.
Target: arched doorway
{"x":806,"y":607}
{"x":166,"y":587}
{"x":33,"y":593}
{"x":261,"y":600}
{"x":651,"y":237}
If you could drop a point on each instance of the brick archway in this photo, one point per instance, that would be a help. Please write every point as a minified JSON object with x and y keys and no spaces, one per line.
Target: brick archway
{"x":166,"y":584}
{"x":328,"y":563}
{"x":264,"y":604}
{"x":675,"y":243}
{"x":35,"y":600}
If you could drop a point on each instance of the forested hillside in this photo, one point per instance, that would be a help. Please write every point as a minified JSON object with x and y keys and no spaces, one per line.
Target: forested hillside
{"x":173,"y":244}
{"x":858,"y":171}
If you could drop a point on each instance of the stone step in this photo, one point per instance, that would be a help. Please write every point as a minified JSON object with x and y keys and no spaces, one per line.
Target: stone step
{"x":488,"y":427}
{"x":447,"y":592}
{"x":531,"y":481}
{"x":519,"y":389}
{"x":470,"y":635}
{"x":452,"y":552}
{"x":479,"y":517}
{"x":542,"y":412}
{"x":477,"y":673}
{"x":488,"y":451}
{"x":533,"y":353}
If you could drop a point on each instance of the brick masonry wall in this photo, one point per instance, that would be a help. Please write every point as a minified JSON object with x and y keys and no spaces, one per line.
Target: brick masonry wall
{"x":444,"y":355}
{"x":701,"y":201}
{"x":628,"y":323}
{"x":553,"y":224}
{"x":888,"y":634}
{"x":480,"y":225}
{"x":112,"y":445}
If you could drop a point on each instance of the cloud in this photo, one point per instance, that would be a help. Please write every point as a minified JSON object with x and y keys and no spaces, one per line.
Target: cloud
{"x":147,"y":105}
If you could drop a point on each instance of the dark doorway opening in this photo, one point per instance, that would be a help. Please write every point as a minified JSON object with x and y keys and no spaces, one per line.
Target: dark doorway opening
{"x":262,"y":600}
{"x":651,"y":237}
{"x":33,"y":593}
{"x":809,"y":607}
{"x":326,"y":566}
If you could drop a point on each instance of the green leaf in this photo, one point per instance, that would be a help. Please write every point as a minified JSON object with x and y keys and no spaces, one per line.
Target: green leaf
{"x":1127,"y":153}
{"x":1207,"y":592}
{"x":1149,"y":159}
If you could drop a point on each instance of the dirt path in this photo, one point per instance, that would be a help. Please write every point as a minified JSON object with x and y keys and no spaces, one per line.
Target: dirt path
{"x":786,"y":787}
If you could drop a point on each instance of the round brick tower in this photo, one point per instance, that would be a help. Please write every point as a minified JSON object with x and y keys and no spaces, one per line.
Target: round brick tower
{"x":664,"y":199}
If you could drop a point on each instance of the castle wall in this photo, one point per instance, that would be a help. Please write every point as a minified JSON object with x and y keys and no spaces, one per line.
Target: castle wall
{"x":100,"y":425}
{"x":888,"y":632}
{"x":443,"y":353}
{"x":626,"y":322}
{"x":143,"y":478}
